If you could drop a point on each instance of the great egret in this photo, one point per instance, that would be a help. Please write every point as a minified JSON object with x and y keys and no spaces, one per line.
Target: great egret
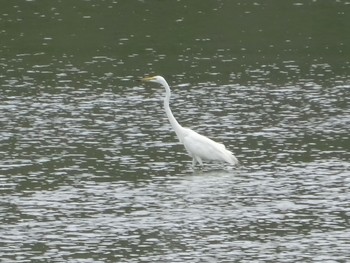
{"x":198,"y":146}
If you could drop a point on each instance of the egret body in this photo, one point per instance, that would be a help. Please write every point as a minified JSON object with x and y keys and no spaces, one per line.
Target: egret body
{"x":198,"y":146}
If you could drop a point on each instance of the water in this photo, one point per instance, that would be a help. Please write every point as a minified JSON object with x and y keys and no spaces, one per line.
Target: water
{"x":90,"y":170}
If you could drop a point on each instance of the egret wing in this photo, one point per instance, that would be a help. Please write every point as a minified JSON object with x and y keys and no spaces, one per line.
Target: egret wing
{"x":205,"y":148}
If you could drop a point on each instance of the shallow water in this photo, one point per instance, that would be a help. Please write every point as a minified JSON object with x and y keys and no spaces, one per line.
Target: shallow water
{"x":91,"y":171}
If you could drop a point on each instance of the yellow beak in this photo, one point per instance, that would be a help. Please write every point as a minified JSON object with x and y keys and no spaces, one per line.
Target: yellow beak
{"x":147,"y":79}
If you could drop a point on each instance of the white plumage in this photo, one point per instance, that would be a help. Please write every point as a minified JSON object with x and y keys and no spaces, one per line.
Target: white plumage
{"x":198,"y":146}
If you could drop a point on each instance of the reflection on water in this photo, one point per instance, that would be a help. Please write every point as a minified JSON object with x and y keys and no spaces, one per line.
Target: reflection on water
{"x":294,"y":213}
{"x":91,"y":171}
{"x":99,"y":175}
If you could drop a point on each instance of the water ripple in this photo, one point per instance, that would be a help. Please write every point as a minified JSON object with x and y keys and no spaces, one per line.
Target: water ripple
{"x":90,"y":169}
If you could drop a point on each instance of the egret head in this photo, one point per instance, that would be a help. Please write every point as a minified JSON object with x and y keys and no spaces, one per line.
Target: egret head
{"x":156,"y":79}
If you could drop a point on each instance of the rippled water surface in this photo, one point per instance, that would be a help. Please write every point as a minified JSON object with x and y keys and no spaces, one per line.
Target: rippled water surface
{"x":91,"y":171}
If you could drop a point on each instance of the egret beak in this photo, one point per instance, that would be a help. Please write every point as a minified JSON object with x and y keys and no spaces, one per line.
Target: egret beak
{"x":147,"y":79}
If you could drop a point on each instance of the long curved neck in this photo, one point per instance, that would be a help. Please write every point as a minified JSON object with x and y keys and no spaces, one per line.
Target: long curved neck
{"x":176,"y":126}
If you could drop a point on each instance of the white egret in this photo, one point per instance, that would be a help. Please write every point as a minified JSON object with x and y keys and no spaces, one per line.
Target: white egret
{"x":198,"y":146}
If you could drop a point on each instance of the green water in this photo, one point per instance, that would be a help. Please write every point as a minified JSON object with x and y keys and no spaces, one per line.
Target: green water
{"x":91,"y":171}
